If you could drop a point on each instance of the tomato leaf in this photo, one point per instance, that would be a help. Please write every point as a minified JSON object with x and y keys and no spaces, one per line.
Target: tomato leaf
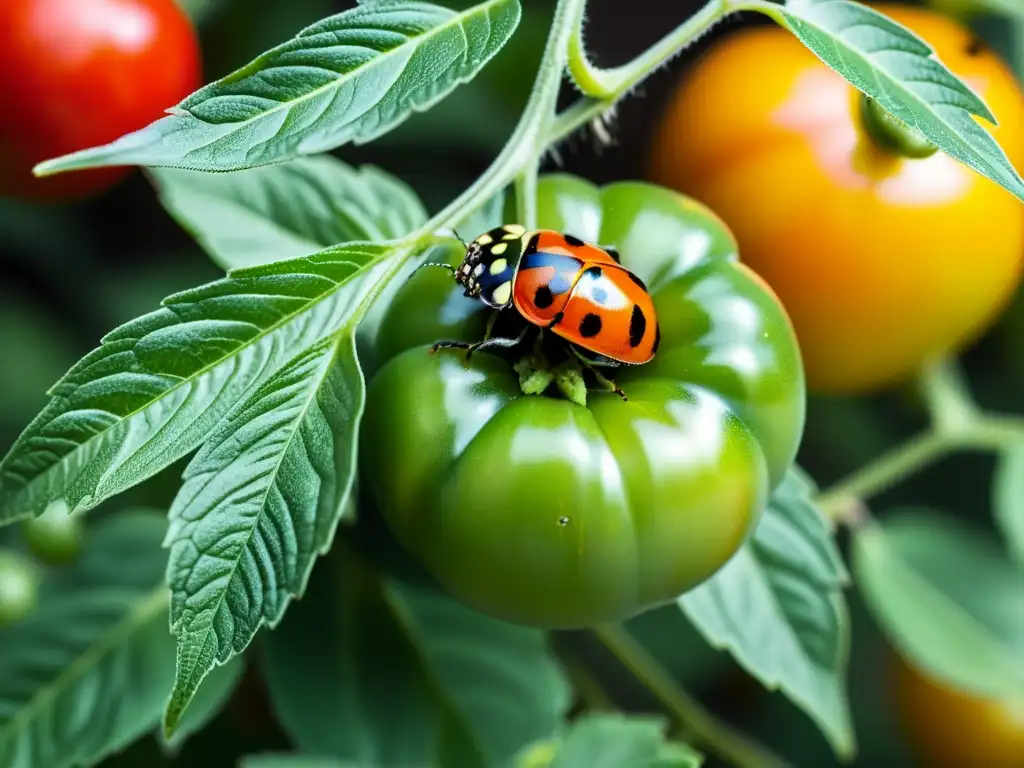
{"x":287,"y":210}
{"x":1008,"y":499}
{"x":260,"y":501}
{"x":348,"y":78}
{"x":390,"y":673}
{"x":777,"y":606}
{"x":272,"y":760}
{"x":898,"y":69}
{"x":88,"y":672}
{"x":157,"y":385}
{"x":946,"y":598}
{"x":611,"y":741}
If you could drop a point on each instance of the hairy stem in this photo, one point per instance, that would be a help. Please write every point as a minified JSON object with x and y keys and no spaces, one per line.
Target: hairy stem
{"x":701,"y":726}
{"x":526,"y":143}
{"x":615,"y":83}
{"x":957,"y":425}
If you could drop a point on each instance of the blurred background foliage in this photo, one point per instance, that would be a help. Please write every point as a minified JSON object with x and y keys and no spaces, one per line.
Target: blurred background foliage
{"x":70,"y":273}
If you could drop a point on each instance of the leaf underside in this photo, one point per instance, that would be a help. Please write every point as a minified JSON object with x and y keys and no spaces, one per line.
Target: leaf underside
{"x":287,"y":210}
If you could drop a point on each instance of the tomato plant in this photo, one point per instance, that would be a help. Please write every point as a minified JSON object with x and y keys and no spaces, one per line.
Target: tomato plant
{"x":888,"y":231}
{"x":81,"y":73}
{"x":500,"y":456}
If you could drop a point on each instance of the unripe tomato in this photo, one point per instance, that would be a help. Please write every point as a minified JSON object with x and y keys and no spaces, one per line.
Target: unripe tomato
{"x":78,"y":73}
{"x":949,"y":728}
{"x":54,"y":537}
{"x":18,"y":587}
{"x":541,"y":511}
{"x":882,"y":262}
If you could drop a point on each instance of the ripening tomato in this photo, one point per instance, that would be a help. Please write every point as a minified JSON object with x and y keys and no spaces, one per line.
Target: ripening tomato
{"x":882,"y":261}
{"x":19,"y":587}
{"x":947,"y":728}
{"x":78,"y":73}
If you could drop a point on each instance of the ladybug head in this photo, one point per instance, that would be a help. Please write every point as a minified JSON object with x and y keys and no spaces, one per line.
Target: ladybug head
{"x":487,"y":269}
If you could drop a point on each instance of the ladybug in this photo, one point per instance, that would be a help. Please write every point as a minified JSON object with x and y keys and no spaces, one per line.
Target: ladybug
{"x":560,"y":283}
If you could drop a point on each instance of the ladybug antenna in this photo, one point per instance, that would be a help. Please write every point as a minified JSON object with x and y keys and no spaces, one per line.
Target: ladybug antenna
{"x":441,"y":264}
{"x":459,"y":238}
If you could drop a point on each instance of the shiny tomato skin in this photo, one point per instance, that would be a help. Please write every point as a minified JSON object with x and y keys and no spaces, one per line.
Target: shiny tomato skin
{"x":947,"y":728}
{"x":80,"y":73}
{"x":882,"y":263}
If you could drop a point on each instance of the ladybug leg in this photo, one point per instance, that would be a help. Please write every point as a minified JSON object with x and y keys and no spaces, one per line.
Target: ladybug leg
{"x":592,"y":364}
{"x":496,"y":342}
{"x":608,"y":383}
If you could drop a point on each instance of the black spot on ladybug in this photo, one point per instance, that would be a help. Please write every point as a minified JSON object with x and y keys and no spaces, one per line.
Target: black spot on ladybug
{"x":600,"y":295}
{"x":975,"y":46}
{"x":594,"y":272}
{"x":614,"y":253}
{"x":638,"y":281}
{"x":637,"y":326}
{"x":543,"y":298}
{"x":657,"y":338}
{"x":531,"y":246}
{"x":590,"y":325}
{"x":572,"y":240}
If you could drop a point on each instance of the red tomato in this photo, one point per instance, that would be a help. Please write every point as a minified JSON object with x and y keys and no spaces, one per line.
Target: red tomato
{"x":78,"y":73}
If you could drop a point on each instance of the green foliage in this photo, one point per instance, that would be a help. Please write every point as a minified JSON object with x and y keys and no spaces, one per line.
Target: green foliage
{"x":293,"y":761}
{"x":611,"y":741}
{"x":349,"y":78}
{"x":259,"y":502}
{"x":1008,"y":499}
{"x":777,"y":607}
{"x":947,"y":599}
{"x":137,"y":403}
{"x":391,"y":673}
{"x":287,"y":210}
{"x":89,"y":671}
{"x":894,"y":66}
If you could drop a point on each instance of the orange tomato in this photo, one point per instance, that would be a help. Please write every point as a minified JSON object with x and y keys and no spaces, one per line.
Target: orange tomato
{"x":883,"y":262}
{"x":949,"y":728}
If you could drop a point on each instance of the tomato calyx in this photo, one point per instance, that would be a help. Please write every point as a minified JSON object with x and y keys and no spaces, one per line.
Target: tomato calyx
{"x":545,"y":364}
{"x":537,"y":375}
{"x":892,"y":134}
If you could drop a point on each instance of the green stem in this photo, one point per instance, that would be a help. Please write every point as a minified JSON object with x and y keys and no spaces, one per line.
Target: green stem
{"x":527,"y":141}
{"x":615,"y":83}
{"x":526,"y":196}
{"x":957,"y":425}
{"x":702,"y":727}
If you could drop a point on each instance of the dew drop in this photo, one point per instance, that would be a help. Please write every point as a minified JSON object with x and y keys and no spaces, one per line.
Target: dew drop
{"x":563,"y":521}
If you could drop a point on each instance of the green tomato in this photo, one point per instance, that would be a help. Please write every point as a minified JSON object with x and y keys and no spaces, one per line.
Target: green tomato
{"x":19,"y":585}
{"x":543,"y":512}
{"x":55,"y":537}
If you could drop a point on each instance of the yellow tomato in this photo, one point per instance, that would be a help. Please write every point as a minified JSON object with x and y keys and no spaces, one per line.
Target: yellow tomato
{"x":949,"y":728}
{"x":883,"y":262}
